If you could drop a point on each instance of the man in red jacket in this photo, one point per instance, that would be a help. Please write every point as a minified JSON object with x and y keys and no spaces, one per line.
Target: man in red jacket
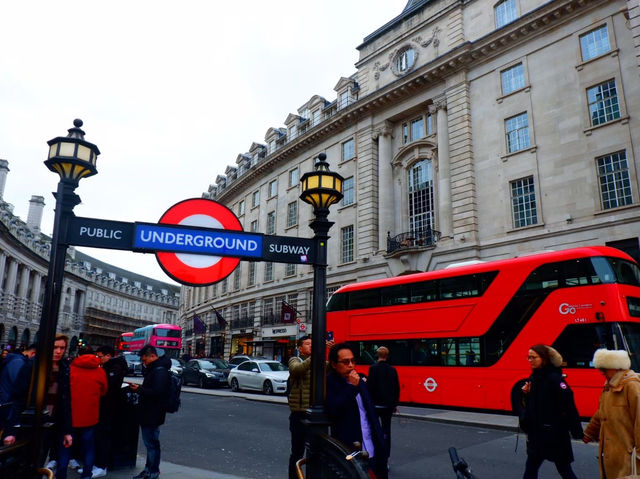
{"x":88,"y":385}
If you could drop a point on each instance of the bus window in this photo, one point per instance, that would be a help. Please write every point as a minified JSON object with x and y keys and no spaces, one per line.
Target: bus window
{"x":631,"y":332}
{"x":578,"y":342}
{"x":469,"y":351}
{"x":579,"y":272}
{"x":424,"y":291}
{"x":626,"y":272}
{"x":391,"y":295}
{"x":449,"y":352}
{"x":337,"y":302}
{"x":545,"y":277}
{"x":365,"y":298}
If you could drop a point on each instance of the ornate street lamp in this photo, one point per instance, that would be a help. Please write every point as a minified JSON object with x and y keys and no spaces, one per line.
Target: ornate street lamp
{"x":72,"y":158}
{"x":321,"y":189}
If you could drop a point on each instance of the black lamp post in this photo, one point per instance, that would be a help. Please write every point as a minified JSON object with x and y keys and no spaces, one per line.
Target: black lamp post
{"x":321,"y":189}
{"x":72,"y":158}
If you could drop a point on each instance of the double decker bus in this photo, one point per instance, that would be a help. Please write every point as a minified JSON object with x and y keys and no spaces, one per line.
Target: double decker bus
{"x":166,"y":338}
{"x":122,"y":343}
{"x":459,"y":337}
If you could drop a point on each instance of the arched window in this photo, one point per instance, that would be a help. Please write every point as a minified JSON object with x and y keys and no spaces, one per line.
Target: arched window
{"x":405,"y":59}
{"x":13,"y":336}
{"x":26,"y":336}
{"x":420,"y":189}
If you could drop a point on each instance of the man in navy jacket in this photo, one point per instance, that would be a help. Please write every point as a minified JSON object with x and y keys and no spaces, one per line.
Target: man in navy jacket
{"x":351,"y":411}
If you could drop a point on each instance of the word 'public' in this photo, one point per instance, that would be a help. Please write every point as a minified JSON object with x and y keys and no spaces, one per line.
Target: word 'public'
{"x":100,"y":233}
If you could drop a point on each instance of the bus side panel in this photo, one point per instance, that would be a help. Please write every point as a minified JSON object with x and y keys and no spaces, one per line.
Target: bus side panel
{"x":410,"y":321}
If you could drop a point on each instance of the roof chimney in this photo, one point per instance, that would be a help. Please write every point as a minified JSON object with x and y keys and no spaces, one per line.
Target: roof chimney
{"x":4,"y":170}
{"x":34,"y":218}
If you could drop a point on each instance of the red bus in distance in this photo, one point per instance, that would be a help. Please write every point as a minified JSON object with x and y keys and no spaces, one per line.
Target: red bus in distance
{"x":459,"y":337}
{"x":166,"y":338}
{"x":122,"y":343}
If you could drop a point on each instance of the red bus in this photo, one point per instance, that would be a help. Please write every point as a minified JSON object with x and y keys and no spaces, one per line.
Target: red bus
{"x":459,"y":337}
{"x":122,"y":343}
{"x":166,"y":338}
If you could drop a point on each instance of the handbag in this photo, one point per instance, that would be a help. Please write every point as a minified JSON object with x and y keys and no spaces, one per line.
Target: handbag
{"x":634,"y":472}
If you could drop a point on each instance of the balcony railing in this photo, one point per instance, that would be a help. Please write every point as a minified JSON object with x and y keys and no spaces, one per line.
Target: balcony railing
{"x":412,"y":240}
{"x":242,"y":323}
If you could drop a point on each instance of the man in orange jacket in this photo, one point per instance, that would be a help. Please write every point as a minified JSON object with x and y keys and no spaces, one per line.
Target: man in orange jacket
{"x":88,"y":385}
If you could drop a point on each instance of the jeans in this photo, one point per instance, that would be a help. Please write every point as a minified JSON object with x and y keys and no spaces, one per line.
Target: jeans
{"x":533,"y":464}
{"x":85,"y":437}
{"x":297,"y":441}
{"x":151,"y":439}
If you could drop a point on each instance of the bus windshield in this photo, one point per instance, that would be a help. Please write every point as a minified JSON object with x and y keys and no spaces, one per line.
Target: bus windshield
{"x":167,"y":333}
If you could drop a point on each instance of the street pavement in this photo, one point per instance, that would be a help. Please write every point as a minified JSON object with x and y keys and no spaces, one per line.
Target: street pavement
{"x":175,"y":471}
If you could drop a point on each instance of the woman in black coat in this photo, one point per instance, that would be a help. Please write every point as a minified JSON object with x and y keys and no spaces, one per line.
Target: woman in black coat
{"x":549,"y":414}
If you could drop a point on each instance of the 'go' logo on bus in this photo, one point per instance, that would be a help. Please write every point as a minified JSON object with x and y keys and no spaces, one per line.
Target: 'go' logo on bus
{"x":566,"y":308}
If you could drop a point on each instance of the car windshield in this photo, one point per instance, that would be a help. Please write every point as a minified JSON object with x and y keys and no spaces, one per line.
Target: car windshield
{"x":132,"y":358}
{"x":272,"y":366}
{"x":208,"y":365}
{"x":219,"y":363}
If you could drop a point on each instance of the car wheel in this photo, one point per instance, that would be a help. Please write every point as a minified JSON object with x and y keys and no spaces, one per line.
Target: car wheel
{"x":267,"y":388}
{"x":201,"y":382}
{"x":234,"y":385}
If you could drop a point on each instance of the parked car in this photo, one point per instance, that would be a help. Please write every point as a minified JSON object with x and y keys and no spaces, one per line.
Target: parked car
{"x":263,"y":375}
{"x":134,"y":365}
{"x":205,"y":373}
{"x":241,"y":358}
{"x":177,"y":365}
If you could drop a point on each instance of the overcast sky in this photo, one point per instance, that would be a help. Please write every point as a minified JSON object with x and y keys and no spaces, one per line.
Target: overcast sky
{"x":170,"y":92}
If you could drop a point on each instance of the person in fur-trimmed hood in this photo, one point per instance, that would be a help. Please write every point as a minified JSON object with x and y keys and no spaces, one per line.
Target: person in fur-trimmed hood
{"x":549,"y":415}
{"x":616,"y":424}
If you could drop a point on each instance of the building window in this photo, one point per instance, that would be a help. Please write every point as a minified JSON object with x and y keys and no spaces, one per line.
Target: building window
{"x":224,"y":286}
{"x":272,"y":146}
{"x":345,"y":100}
{"x":603,"y":103}
{"x":273,"y":188}
{"x":512,"y":79}
{"x":348,"y":192}
{"x":429,"y":125}
{"x":523,"y":202}
{"x":348,"y":150}
{"x":255,"y":199}
{"x":595,"y":43}
{"x":613,"y":176}
{"x":254,"y":226}
{"x":405,"y":59}
{"x":346,"y":245}
{"x":268,"y":271}
{"x":252,"y":273}
{"x":292,"y":214}
{"x":236,"y":279}
{"x":241,"y":208}
{"x":317,"y":117}
{"x":293,"y":177}
{"x":417,"y":129}
{"x":271,"y":223}
{"x":405,"y":133}
{"x":290,"y":269}
{"x":421,"y":206}
{"x":505,"y":12}
{"x":517,"y":131}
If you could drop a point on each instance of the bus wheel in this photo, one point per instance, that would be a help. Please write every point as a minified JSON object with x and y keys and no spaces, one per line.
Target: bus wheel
{"x":516,"y":397}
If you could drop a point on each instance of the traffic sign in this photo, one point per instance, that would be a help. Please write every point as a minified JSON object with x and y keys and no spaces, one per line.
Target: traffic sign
{"x":189,"y":268}
{"x":303,"y":327}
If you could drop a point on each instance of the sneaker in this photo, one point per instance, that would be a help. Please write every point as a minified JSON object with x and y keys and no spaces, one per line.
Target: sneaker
{"x":98,"y":472}
{"x":73,"y":464}
{"x":143,"y":475}
{"x":51,"y":465}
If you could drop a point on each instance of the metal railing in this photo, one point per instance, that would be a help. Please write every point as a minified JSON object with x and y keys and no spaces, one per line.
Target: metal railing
{"x":413,"y":239}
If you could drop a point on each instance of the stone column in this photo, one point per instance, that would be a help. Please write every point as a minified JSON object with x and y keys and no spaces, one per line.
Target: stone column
{"x":11,"y":277}
{"x":3,"y":263}
{"x":23,"y":285}
{"x":444,"y":168}
{"x":386,"y":211}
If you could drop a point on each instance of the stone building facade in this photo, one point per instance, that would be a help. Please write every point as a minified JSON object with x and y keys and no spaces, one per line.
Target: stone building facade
{"x":471,"y":130}
{"x":99,"y":301}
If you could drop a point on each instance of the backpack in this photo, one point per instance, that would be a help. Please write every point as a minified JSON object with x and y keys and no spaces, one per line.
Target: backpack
{"x":175,"y":386}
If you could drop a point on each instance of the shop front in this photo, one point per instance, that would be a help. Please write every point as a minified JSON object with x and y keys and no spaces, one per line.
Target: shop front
{"x":279,"y":342}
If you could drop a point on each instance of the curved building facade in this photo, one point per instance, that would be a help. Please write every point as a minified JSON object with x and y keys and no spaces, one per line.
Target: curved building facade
{"x":471,"y":130}
{"x":99,"y":301}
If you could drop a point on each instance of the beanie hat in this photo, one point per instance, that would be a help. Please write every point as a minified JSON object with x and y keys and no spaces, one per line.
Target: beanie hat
{"x":605,"y":359}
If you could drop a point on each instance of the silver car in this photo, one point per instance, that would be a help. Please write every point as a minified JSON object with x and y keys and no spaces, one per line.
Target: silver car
{"x":260,"y":375}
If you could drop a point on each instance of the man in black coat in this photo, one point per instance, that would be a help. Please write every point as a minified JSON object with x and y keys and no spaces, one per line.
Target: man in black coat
{"x":348,"y":402}
{"x":115,"y":368}
{"x":152,"y":408}
{"x":385,"y":391}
